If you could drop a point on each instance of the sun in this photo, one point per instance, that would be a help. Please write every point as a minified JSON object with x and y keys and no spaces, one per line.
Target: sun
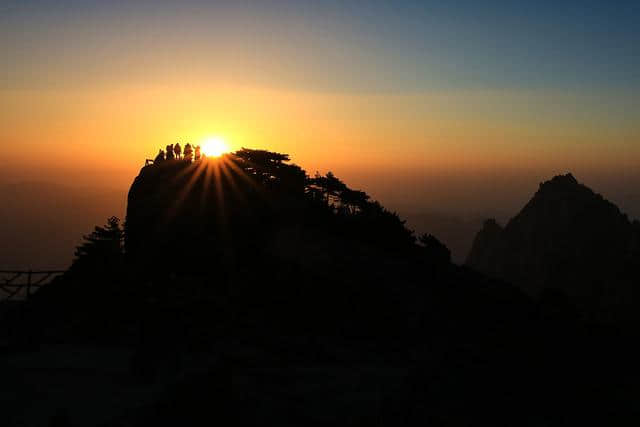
{"x":214,"y":147}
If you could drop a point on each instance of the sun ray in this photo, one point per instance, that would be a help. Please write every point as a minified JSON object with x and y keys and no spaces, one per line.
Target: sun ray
{"x":237,"y":191}
{"x":240,"y":172}
{"x":219,"y":190}
{"x":204,"y":199}
{"x":186,"y":189}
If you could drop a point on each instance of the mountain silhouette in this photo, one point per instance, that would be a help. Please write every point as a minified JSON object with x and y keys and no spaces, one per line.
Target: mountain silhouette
{"x":202,"y":214}
{"x":455,"y":231}
{"x":569,"y":239}
{"x":242,"y":282}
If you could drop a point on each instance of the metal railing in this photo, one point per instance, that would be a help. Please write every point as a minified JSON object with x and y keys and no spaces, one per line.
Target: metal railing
{"x":20,"y":284}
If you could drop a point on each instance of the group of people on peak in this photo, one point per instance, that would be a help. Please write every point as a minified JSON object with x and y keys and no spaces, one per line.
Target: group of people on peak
{"x":174,"y":151}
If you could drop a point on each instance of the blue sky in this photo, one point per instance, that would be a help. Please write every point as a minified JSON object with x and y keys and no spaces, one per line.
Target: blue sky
{"x":370,"y":46}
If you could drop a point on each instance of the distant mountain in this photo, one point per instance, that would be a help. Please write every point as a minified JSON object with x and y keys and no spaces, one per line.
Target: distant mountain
{"x":569,"y":239}
{"x":41,"y":223}
{"x":453,"y":230}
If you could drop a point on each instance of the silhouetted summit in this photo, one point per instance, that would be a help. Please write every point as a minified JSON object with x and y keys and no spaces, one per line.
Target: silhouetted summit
{"x":217,"y":211}
{"x":566,"y":238}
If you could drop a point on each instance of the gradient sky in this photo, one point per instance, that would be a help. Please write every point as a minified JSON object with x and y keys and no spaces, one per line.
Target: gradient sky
{"x":462,"y":88}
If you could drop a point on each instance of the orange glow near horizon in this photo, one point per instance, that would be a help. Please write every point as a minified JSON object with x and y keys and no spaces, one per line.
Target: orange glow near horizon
{"x":76,"y":133}
{"x":90,"y":93}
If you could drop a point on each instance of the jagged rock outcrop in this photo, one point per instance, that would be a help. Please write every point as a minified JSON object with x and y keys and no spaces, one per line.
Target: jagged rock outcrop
{"x":566,"y":238}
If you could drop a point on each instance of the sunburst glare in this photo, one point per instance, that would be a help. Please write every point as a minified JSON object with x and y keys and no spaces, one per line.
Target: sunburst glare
{"x":214,"y":146}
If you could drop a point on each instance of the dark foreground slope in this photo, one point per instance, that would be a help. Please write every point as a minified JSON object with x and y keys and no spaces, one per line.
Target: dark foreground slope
{"x":567,"y":239}
{"x":252,"y":293}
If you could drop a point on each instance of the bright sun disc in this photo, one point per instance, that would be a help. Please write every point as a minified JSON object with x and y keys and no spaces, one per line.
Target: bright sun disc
{"x":214,"y":147}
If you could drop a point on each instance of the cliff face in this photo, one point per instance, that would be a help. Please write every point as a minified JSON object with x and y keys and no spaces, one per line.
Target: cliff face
{"x":569,"y":238}
{"x":180,"y":218}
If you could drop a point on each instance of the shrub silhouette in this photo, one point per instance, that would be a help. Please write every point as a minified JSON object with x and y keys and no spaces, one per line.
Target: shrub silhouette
{"x":102,"y":249}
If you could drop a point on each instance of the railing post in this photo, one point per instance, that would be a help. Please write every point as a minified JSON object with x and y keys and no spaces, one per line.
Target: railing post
{"x":28,"y":284}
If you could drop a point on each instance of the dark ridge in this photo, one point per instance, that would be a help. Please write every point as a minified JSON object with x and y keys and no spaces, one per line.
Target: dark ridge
{"x":243,"y":288}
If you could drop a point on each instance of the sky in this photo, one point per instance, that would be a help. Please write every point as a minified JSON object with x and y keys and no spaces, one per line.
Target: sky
{"x":460,"y":105}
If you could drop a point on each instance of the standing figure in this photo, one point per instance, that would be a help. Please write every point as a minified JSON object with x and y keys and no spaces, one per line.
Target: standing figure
{"x":197,"y":156}
{"x":160,"y":157}
{"x":170,"y":152}
{"x":188,"y":152}
{"x":177,"y":150}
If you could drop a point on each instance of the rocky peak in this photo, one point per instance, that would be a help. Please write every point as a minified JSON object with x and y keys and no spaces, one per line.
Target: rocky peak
{"x":567,"y":237}
{"x":562,"y":180}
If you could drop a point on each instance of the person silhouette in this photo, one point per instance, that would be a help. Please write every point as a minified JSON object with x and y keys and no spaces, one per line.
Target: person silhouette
{"x":197,"y":155}
{"x":177,"y":150}
{"x":170,"y":152}
{"x":188,"y":152}
{"x":160,"y":157}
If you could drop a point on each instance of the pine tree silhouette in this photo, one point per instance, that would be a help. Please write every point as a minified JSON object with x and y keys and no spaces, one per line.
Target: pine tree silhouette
{"x":102,"y":249}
